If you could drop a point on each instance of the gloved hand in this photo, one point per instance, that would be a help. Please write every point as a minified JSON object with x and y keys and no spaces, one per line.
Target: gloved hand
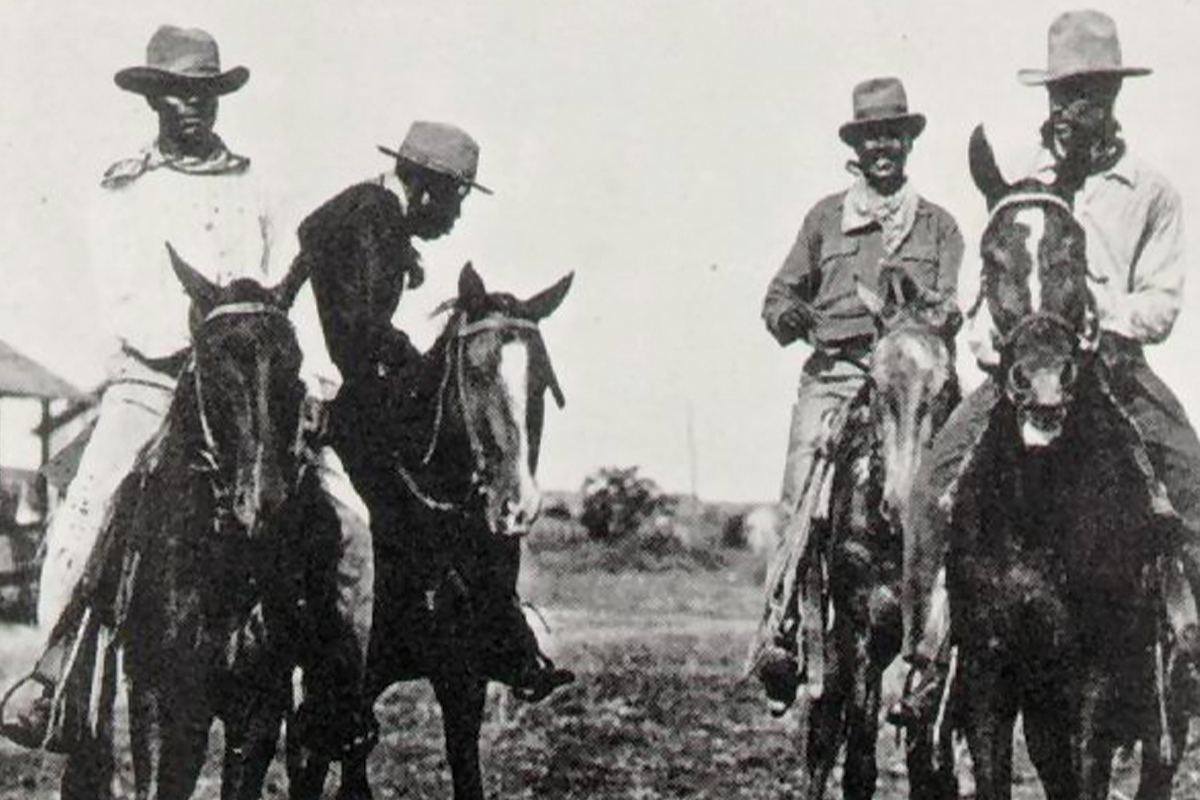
{"x":796,"y":322}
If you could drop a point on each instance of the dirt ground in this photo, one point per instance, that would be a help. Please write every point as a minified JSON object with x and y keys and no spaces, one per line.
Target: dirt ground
{"x":659,"y":711}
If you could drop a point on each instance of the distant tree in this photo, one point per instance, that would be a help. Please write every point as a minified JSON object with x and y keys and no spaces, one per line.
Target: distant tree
{"x":617,"y":503}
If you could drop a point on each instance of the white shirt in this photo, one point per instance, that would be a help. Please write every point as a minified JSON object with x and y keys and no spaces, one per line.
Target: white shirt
{"x":225,"y":227}
{"x":1133,"y":220}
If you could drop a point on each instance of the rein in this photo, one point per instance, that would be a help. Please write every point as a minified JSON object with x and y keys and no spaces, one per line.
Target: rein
{"x":208,"y":452}
{"x":455,"y":356}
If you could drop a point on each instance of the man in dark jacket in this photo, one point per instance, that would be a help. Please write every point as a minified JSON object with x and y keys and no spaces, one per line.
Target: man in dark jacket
{"x":846,"y":239}
{"x":359,"y":250}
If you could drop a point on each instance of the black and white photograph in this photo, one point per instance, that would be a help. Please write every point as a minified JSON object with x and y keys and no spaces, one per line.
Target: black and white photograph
{"x":623,"y":400}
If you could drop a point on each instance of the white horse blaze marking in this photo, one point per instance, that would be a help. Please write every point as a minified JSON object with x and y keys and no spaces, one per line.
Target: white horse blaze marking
{"x":1035,"y":220}
{"x":514,"y":375}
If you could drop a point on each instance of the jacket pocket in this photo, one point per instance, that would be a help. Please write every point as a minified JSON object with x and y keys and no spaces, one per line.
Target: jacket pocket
{"x":921,"y":263}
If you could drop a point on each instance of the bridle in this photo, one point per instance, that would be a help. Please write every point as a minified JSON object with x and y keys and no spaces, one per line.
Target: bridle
{"x":1004,"y":340}
{"x":208,"y":453}
{"x":454,"y":370}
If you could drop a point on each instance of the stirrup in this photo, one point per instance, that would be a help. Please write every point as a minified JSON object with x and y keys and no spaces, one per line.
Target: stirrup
{"x":28,"y":730}
{"x":542,"y":683}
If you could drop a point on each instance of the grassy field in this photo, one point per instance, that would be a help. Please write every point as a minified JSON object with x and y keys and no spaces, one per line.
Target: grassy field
{"x":660,"y":710}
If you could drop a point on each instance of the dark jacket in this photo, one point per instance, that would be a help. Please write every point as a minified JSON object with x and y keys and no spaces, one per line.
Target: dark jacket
{"x":825,"y":262}
{"x":359,"y":255}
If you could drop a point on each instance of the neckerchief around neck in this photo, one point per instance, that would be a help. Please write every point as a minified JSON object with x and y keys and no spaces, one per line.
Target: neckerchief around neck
{"x":895,"y":213}
{"x":219,"y":162}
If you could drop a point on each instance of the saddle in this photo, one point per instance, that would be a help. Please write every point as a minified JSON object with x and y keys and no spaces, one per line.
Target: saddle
{"x":796,"y":583}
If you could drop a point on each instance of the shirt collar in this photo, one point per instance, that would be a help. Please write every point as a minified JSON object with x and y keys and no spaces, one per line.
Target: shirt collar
{"x":1124,"y":170}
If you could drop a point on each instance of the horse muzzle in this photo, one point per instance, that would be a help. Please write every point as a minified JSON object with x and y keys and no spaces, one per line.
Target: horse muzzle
{"x":1040,"y":425}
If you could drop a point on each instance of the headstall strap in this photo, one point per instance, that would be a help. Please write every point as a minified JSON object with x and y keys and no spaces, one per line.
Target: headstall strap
{"x":1044,"y":198}
{"x":209,"y":454}
{"x":236,"y":309}
{"x":454,"y":366}
{"x":1037,"y":316}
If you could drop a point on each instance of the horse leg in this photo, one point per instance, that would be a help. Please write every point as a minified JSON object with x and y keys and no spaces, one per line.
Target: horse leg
{"x":822,"y":726}
{"x":1095,"y":743}
{"x":862,"y":726}
{"x":1048,"y":726}
{"x":169,"y":737}
{"x":251,"y":737}
{"x":462,"y":700}
{"x":1158,"y":773}
{"x":307,"y":766}
{"x":989,"y":716}
{"x":354,"y":784}
{"x":91,"y":766}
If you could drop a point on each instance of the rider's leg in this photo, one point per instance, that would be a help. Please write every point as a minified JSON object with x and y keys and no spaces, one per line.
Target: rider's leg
{"x":510,"y":650}
{"x":1174,"y":452}
{"x":926,"y":533}
{"x":129,"y":416}
{"x":826,"y":386}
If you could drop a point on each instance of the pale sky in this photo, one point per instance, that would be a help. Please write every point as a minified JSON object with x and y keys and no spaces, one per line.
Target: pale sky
{"x":664,"y":151}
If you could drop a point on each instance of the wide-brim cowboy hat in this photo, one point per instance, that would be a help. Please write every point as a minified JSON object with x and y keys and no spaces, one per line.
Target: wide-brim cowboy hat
{"x":182,"y":61}
{"x":880,"y":102}
{"x":1081,"y":43}
{"x":443,"y":148}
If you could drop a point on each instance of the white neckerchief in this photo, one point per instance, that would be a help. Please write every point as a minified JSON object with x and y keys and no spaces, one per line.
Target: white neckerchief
{"x":896,"y":213}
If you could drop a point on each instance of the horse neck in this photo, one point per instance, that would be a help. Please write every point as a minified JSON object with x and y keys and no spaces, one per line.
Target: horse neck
{"x":897,"y":458}
{"x":432,"y":435}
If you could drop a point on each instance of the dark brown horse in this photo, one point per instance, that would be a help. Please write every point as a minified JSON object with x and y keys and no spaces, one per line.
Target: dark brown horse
{"x":445,"y":460}
{"x":1056,"y":527}
{"x":203,"y":595}
{"x":911,"y":390}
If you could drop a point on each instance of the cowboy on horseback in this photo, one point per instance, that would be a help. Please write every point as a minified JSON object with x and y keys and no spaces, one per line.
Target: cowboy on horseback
{"x":189,"y":188}
{"x":880,"y":223}
{"x":1133,"y":223}
{"x":358,"y":250}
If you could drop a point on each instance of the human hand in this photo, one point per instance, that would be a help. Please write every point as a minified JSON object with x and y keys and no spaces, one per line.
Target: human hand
{"x":797,"y":321}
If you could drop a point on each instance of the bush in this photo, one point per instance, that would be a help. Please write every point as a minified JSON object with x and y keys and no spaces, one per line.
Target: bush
{"x":618,"y":503}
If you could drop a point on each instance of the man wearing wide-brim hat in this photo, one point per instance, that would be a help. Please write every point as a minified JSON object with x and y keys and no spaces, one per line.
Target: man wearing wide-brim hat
{"x":358,"y":248}
{"x":187,"y":188}
{"x":1133,"y":221}
{"x":879,"y":224}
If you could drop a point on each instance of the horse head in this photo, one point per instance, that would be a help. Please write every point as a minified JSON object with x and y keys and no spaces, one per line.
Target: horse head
{"x":1034,"y":283}
{"x":245,"y":387}
{"x":913,"y":383}
{"x":502,"y":370}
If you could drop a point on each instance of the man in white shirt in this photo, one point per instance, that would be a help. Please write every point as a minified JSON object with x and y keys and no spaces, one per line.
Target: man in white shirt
{"x":1133,"y":221}
{"x":188,"y":188}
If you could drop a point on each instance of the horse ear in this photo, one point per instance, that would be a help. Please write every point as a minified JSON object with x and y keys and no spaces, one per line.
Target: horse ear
{"x":874,"y":303}
{"x":544,"y":303}
{"x":984,"y":171}
{"x":286,"y":290}
{"x":200,"y":289}
{"x":471,"y":291}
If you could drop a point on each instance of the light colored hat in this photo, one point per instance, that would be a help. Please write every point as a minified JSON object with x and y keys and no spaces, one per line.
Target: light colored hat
{"x":1081,"y":43}
{"x":441,"y":147}
{"x":181,"y":60}
{"x":880,"y":101}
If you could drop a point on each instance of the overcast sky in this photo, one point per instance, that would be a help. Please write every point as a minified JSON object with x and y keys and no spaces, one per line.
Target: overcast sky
{"x":664,"y":151}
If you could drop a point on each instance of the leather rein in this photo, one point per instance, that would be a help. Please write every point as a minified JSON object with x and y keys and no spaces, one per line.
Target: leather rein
{"x":454,"y":370}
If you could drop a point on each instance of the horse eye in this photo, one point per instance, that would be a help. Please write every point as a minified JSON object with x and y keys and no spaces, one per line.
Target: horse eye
{"x":1018,"y":378}
{"x":1069,"y":373}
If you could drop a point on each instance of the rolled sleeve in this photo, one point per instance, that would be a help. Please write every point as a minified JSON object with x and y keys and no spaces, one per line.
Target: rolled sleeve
{"x":1155,"y":292}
